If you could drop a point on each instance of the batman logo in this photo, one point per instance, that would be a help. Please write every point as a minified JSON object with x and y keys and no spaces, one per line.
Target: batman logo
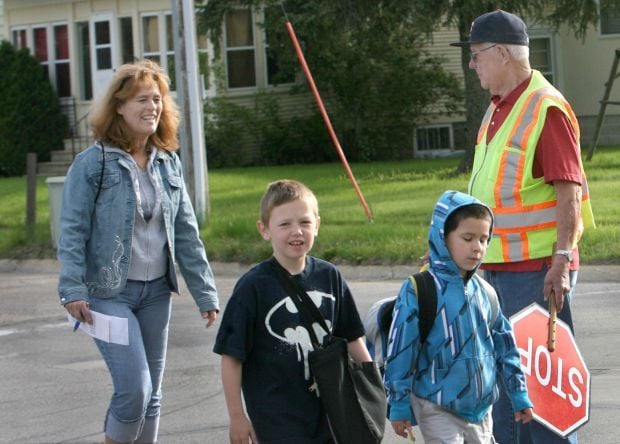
{"x":283,"y":323}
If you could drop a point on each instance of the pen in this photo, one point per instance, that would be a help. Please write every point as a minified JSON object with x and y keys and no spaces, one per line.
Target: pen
{"x":76,"y":325}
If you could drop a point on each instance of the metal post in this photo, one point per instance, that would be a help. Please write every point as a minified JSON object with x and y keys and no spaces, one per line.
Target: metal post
{"x":31,"y":193}
{"x":189,"y":98}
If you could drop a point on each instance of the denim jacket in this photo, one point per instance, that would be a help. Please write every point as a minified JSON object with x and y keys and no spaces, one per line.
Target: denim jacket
{"x":95,"y":242}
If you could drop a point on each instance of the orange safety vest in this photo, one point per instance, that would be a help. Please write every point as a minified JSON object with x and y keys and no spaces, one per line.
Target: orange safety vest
{"x":524,"y":206}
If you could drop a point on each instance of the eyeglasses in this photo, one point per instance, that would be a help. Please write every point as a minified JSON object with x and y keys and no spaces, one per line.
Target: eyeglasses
{"x":474,"y":55}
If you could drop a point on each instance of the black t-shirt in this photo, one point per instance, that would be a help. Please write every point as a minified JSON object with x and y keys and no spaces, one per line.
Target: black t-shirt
{"x":261,"y":328}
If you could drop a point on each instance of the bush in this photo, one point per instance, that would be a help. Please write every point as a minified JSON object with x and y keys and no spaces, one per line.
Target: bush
{"x":225,"y":124}
{"x":241,"y":136}
{"x":30,"y":116}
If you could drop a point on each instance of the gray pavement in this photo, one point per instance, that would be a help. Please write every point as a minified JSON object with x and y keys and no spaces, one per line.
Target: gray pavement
{"x":54,"y":387}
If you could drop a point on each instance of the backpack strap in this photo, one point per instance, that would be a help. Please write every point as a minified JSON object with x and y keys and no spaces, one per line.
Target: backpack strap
{"x":384,"y":317}
{"x":426,"y":292}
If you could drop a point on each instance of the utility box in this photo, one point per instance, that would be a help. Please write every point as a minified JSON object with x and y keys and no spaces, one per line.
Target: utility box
{"x":54,"y":189}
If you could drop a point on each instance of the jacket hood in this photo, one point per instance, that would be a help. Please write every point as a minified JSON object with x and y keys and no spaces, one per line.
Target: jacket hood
{"x":440,"y":260}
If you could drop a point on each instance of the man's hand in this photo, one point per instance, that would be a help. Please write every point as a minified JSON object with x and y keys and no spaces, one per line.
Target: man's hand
{"x":557,"y":281}
{"x":568,"y":220}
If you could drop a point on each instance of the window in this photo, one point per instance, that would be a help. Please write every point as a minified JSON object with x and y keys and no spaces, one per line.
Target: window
{"x":83,"y":62}
{"x":150,"y":38}
{"x":541,"y":57}
{"x":61,"y":61}
{"x":249,"y":62}
{"x":19,"y":38}
{"x":40,"y":47}
{"x":610,"y":20}
{"x":50,"y":46}
{"x":103,"y":45}
{"x":158,"y":42}
{"x":126,"y":29}
{"x":239,"y":40}
{"x":203,"y":62}
{"x":170,"y":67}
{"x":432,"y":138}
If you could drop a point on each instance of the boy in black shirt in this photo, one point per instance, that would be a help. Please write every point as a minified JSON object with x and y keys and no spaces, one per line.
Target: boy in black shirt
{"x":263,"y":343}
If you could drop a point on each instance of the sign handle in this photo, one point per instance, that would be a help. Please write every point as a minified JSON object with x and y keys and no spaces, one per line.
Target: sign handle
{"x":553,"y":316}
{"x":553,"y":319}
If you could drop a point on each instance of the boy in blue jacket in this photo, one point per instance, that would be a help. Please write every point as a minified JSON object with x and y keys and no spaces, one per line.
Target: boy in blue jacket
{"x":448,"y":383}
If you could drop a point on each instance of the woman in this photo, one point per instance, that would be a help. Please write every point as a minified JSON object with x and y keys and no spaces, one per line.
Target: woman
{"x":126,"y":220}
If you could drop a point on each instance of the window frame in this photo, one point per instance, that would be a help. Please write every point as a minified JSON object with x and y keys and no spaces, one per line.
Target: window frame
{"x":204,"y":47}
{"x":603,"y":15}
{"x":550,"y":74}
{"x":52,"y":62}
{"x":162,"y":54}
{"x":58,"y":61}
{"x":419,"y":152}
{"x":226,"y":49}
{"x":27,"y":37}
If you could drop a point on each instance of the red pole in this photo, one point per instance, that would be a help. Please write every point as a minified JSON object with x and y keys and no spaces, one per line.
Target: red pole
{"x":332,"y":133}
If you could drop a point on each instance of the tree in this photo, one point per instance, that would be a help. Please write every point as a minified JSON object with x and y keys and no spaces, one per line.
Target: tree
{"x":577,"y":15}
{"x":368,"y":62}
{"x":30,"y":117}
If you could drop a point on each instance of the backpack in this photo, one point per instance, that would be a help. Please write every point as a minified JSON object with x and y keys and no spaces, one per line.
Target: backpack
{"x":378,"y":320}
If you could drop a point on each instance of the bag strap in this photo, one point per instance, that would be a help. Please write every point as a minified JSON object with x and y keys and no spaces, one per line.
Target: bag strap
{"x":308,"y":312}
{"x":426,"y":292}
{"x":384,"y":318}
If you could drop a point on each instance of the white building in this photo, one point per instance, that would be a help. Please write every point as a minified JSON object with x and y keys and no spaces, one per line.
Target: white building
{"x":81,"y":42}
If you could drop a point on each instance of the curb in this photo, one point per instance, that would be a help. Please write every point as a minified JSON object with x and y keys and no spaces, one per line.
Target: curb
{"x":587,"y":273}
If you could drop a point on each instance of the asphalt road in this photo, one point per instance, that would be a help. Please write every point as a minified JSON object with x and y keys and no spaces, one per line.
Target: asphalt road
{"x":54,"y":387}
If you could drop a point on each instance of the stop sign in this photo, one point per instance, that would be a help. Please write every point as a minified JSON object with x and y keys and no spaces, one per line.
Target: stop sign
{"x":558,"y":383}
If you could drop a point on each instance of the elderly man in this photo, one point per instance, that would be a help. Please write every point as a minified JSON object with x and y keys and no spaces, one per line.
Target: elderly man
{"x":527,"y":168}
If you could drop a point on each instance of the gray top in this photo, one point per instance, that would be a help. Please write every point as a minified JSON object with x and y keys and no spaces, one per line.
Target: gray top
{"x":149,"y":259}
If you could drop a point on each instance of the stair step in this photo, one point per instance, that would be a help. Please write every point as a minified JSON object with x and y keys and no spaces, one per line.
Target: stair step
{"x":61,"y":159}
{"x":61,"y":156}
{"x":53,"y":168}
{"x":80,"y":144}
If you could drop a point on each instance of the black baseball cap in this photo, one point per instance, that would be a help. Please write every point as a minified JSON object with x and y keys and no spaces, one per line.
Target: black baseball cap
{"x":497,"y":27}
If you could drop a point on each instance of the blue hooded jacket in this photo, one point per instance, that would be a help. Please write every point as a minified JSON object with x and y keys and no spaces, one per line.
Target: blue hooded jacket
{"x":456,"y":367}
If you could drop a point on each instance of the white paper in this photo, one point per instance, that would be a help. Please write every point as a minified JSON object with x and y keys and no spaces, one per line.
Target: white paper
{"x":105,"y":328}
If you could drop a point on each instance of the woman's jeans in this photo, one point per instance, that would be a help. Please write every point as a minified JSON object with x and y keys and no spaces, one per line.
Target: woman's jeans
{"x":137,"y":369}
{"x":517,"y":290}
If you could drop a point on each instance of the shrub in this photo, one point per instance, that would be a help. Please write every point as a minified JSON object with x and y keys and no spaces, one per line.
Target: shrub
{"x":239,"y":135}
{"x":30,"y":117}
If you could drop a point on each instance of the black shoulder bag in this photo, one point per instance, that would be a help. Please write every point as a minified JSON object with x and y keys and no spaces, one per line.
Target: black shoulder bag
{"x":351,"y":393}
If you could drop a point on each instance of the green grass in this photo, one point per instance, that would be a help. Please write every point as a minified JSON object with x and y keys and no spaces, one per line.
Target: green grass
{"x":16,"y":240}
{"x":400,"y":194}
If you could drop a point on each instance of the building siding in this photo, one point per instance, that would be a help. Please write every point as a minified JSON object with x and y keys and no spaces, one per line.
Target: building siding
{"x":581,"y":66}
{"x":4,"y":34}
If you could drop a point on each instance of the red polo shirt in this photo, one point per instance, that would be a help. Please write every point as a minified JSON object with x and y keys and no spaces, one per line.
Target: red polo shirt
{"x":557,"y":158}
